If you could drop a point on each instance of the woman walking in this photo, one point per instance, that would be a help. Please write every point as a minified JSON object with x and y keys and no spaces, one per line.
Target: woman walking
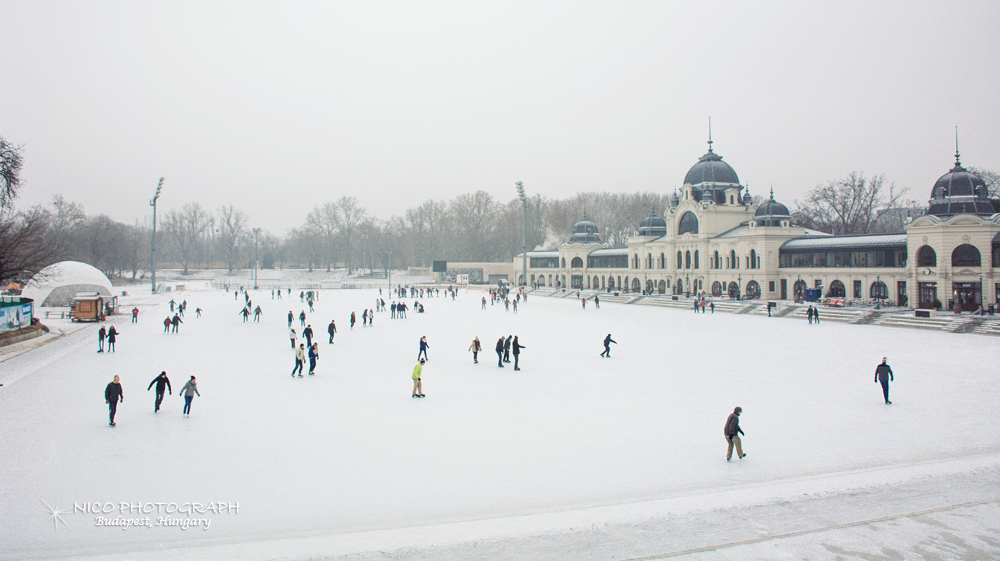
{"x":189,"y":390}
{"x":313,"y":357}
{"x":475,"y":348}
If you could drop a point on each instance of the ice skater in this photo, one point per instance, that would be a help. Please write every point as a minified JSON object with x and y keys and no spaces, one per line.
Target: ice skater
{"x":500,"y":351}
{"x":112,"y":395}
{"x":302,"y":319}
{"x":135,"y":315}
{"x":166,"y":325}
{"x":607,"y":346}
{"x":291,"y":336}
{"x":162,"y":382}
{"x":256,"y":314}
{"x":101,"y":335}
{"x":506,"y":348}
{"x":423,"y":348}
{"x":245,"y":312}
{"x":597,"y":301}
{"x":313,"y":357}
{"x":290,"y":318}
{"x":112,"y":337}
{"x":733,"y":432}
{"x":353,"y":319}
{"x":516,"y":349}
{"x":308,"y":334}
{"x":364,"y":318}
{"x":332,"y":330}
{"x":883,"y":375}
{"x":176,"y":322}
{"x":300,"y":359}
{"x":418,"y":370}
{"x":189,"y":390}
{"x":475,"y":347}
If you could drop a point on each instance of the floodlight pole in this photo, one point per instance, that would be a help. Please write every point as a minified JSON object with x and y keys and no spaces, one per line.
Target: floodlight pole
{"x":524,"y":233}
{"x":152,"y":252}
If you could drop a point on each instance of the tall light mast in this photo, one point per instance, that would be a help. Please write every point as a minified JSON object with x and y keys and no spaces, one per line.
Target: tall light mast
{"x":152,"y":252}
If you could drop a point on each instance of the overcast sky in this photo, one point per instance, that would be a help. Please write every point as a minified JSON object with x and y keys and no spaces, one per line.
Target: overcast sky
{"x":278,"y":107}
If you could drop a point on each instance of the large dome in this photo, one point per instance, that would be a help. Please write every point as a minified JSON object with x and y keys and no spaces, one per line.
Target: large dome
{"x":585,"y":231}
{"x":959,"y":192}
{"x":56,"y":285}
{"x":711,"y":169}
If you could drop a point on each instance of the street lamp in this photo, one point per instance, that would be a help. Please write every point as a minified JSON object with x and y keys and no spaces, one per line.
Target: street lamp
{"x":524,"y":233}
{"x":364,"y":254}
{"x":739,"y":287}
{"x":255,"y":232}
{"x":388,"y":270}
{"x":152,"y":203}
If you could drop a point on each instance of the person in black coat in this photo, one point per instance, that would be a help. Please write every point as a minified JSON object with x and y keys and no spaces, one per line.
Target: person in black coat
{"x":733,"y":432}
{"x":101,"y":334}
{"x":499,"y":349}
{"x":516,"y":349}
{"x":112,"y":395}
{"x":607,"y":346}
{"x":112,"y":337}
{"x":162,"y":382}
{"x":332,"y":330}
{"x":883,"y":375}
{"x":308,"y":334}
{"x":176,"y":322}
{"x":506,"y":348}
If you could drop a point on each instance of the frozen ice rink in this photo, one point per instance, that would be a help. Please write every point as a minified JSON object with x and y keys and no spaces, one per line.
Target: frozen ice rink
{"x":575,"y":456}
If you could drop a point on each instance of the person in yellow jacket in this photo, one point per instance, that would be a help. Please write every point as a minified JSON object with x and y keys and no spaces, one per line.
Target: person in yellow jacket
{"x":418,"y":390}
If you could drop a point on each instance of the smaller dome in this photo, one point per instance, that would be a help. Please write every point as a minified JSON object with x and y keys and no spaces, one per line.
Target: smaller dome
{"x":771,"y":213}
{"x":653,"y":225}
{"x":585,"y":231}
{"x":57,"y":285}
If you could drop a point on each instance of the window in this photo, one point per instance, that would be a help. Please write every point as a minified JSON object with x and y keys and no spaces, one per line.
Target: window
{"x":733,"y":264}
{"x":680,"y":260}
{"x":577,"y":262}
{"x":926,"y":257}
{"x":753,"y":289}
{"x":770,"y":286}
{"x":837,"y":289}
{"x":965,"y":255}
{"x":716,"y":263}
{"x":696,"y":259}
{"x":716,"y":288}
{"x":688,"y":224}
{"x":879,"y":290}
{"x":857,"y":289}
{"x":687,"y":259}
{"x":753,"y":259}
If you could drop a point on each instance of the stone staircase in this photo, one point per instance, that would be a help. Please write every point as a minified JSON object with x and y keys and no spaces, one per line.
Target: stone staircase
{"x":908,"y":320}
{"x":846,"y":315}
{"x":988,"y":327}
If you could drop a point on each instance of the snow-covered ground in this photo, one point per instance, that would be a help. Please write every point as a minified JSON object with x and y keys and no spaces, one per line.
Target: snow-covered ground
{"x":575,"y":456}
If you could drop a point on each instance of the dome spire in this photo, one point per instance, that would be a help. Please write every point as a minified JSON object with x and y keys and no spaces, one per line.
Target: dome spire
{"x":957,"y":163}
{"x":772,"y":192}
{"x":710,"y":134}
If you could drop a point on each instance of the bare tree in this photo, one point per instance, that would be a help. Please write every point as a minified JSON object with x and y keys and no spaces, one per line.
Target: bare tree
{"x":24,"y":248}
{"x":232,"y":234}
{"x":11,"y":161}
{"x":852,"y":205}
{"x":185,"y":228}
{"x":322,"y":223}
{"x":349,"y":215}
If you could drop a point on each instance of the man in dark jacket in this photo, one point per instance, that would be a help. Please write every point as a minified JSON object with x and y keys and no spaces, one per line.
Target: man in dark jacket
{"x":332,"y":330}
{"x":883,"y":375}
{"x":607,"y":346}
{"x":506,"y":348}
{"x":101,"y":334}
{"x":176,"y":322}
{"x":112,"y":395}
{"x":733,"y":432}
{"x":161,"y":382}
{"x":308,"y":334}
{"x":516,"y":349}
{"x":500,"y":343}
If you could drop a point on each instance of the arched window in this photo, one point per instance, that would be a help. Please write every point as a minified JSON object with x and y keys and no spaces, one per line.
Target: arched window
{"x":687,"y":259}
{"x":965,"y":255}
{"x":799,"y":288}
{"x":715,"y":261}
{"x":696,"y":259}
{"x":679,"y":287}
{"x":753,"y":259}
{"x":576,"y":262}
{"x":732,"y":259}
{"x":649,"y":287}
{"x":926,"y":257}
{"x":879,"y":290}
{"x":837,"y":289}
{"x":716,"y":288}
{"x":649,"y":260}
{"x":733,"y":290}
{"x":611,"y":282}
{"x":753,"y":289}
{"x":680,"y":260}
{"x":688,"y":224}
{"x":663,"y":261}
{"x":541,"y":280}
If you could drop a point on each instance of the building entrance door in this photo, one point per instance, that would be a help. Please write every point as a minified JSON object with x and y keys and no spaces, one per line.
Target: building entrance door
{"x":926,"y":294}
{"x":784,"y":289}
{"x":968,"y":294}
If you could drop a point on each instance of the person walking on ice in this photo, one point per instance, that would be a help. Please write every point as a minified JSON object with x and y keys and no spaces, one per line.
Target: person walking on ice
{"x":500,"y":343}
{"x":291,"y":336}
{"x":300,"y":359}
{"x":112,"y":337}
{"x":313,"y":357}
{"x":112,"y":395}
{"x":607,"y":346}
{"x":162,"y":382}
{"x":516,"y":349}
{"x":423,"y":348}
{"x":883,"y":375}
{"x":733,"y":432}
{"x":302,"y":319}
{"x":256,"y":314}
{"x":475,"y":347}
{"x":332,"y":330}
{"x":188,"y":391}
{"x":176,"y":322}
{"x":290,"y":318}
{"x":418,"y":388}
{"x":101,"y":334}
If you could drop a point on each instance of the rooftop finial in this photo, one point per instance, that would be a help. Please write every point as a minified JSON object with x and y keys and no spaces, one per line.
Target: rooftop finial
{"x":772,"y":191}
{"x":710,"y":134}
{"x":957,"y":163}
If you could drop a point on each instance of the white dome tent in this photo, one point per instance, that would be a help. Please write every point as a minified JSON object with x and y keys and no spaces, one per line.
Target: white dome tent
{"x":57,"y":284}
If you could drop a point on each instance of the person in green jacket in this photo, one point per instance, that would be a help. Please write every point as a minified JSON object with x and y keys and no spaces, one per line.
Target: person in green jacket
{"x":418,"y":390}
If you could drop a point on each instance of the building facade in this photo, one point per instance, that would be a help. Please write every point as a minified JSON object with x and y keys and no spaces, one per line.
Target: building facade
{"x":713,"y":240}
